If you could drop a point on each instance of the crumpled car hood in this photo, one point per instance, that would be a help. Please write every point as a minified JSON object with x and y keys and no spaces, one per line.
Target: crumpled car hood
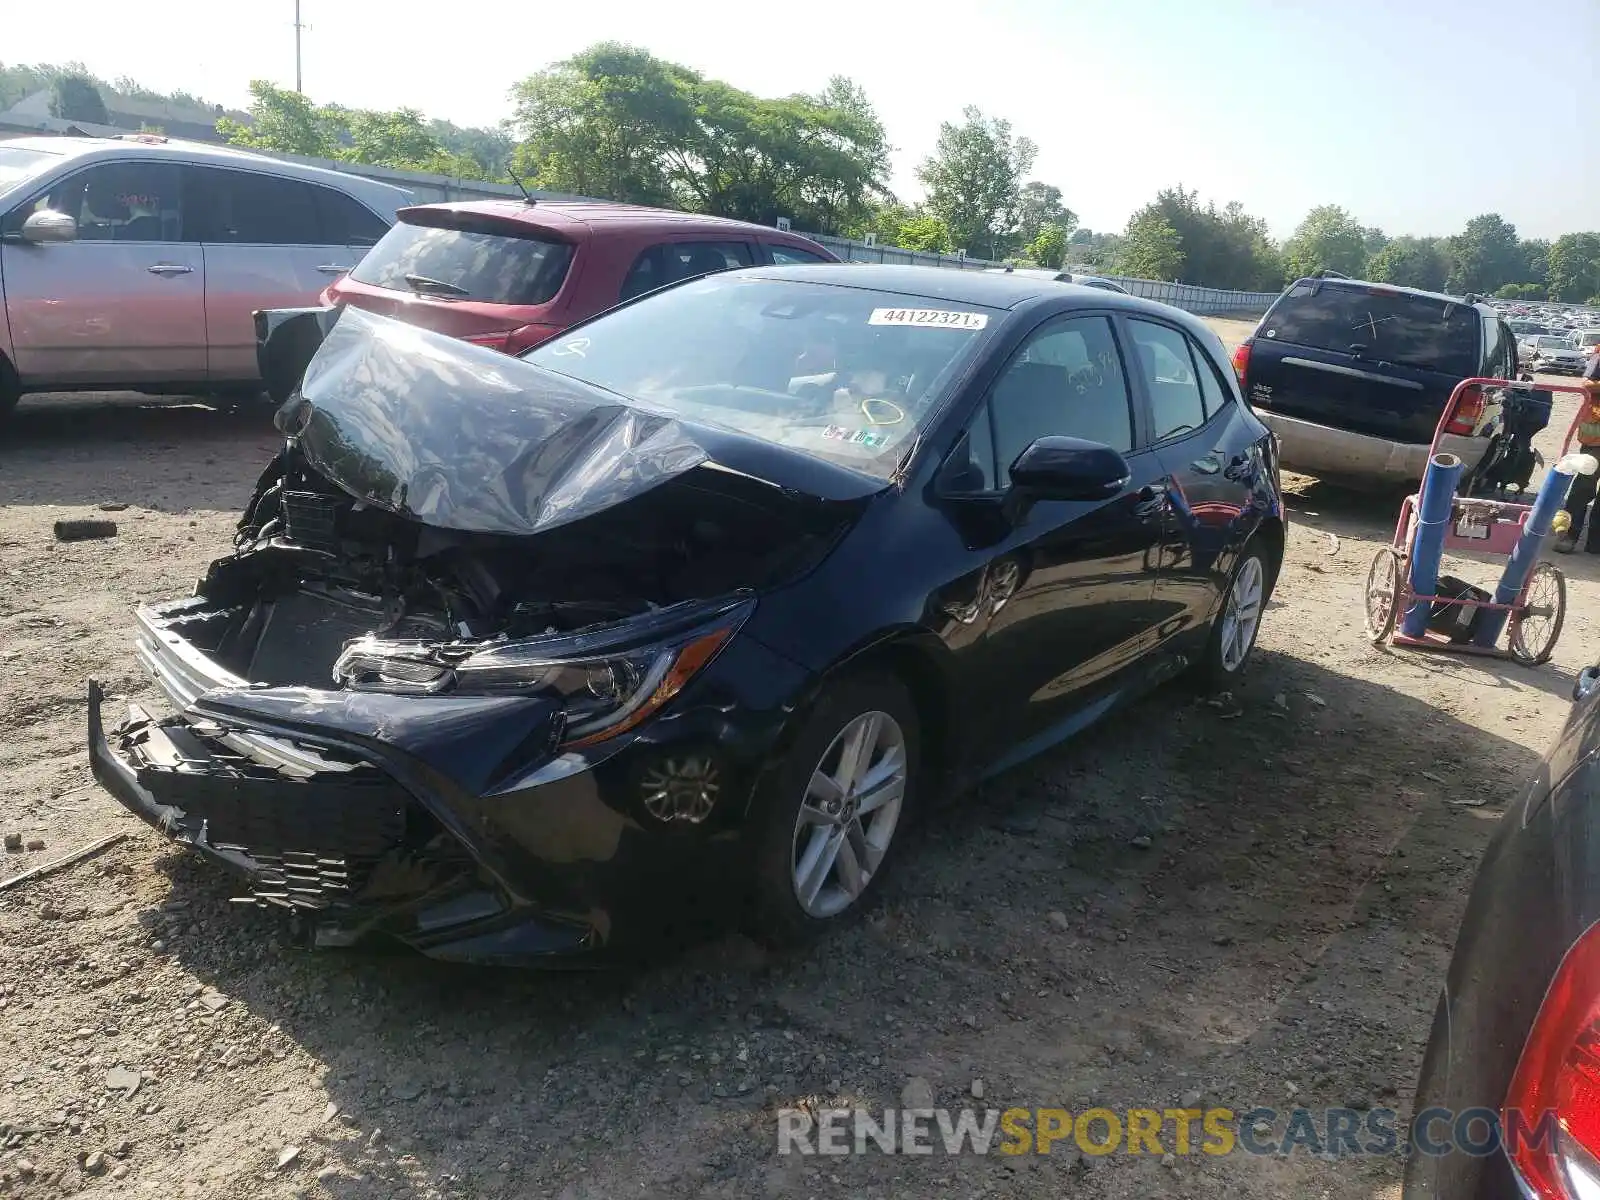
{"x":462,"y":437}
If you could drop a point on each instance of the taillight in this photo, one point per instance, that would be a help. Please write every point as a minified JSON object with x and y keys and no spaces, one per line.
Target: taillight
{"x":514,"y":341}
{"x":1241,"y":362}
{"x":1469,"y":411}
{"x":1558,"y":1076}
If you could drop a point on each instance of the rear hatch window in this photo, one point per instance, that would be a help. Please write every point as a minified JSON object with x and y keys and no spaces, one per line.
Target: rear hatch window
{"x":500,"y":266}
{"x":1380,"y":326}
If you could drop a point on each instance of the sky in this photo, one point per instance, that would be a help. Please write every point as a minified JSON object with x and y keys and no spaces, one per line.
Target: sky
{"x":1412,"y":114}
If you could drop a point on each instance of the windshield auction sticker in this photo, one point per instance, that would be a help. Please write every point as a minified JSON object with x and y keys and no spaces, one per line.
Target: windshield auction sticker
{"x":931,"y":318}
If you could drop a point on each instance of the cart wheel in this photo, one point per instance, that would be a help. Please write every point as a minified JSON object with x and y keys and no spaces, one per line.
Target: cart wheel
{"x":1536,"y":626}
{"x":1383,"y":592}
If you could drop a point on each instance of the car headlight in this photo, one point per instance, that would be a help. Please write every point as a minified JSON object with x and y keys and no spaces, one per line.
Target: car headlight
{"x":608,"y":680}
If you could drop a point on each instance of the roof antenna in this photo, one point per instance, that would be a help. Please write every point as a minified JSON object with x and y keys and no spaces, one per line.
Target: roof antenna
{"x":527,"y":196}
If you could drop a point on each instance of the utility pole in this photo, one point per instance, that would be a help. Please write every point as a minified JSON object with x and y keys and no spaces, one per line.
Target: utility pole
{"x":297,"y":27}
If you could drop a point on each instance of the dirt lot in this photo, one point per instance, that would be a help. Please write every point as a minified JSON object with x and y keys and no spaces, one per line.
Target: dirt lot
{"x":1213,"y":906}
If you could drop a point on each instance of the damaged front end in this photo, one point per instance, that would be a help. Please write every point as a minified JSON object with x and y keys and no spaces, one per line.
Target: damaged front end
{"x":454,"y":683}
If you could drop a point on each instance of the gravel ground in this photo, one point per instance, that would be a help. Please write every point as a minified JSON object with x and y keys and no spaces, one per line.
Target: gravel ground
{"x":1226,"y":905}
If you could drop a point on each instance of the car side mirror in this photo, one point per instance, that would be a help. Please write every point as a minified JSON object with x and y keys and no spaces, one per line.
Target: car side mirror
{"x":1066,"y":468}
{"x":47,"y":225}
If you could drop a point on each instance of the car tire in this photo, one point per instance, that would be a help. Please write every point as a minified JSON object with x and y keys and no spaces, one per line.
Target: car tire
{"x":821,"y":852}
{"x":10,"y":389}
{"x":1227,"y":653}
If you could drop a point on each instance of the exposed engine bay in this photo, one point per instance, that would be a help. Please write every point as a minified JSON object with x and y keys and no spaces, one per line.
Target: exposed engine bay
{"x":315,"y":569}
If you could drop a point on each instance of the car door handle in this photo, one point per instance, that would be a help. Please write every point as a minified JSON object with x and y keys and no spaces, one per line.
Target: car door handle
{"x":332,"y":269}
{"x":169,"y":269}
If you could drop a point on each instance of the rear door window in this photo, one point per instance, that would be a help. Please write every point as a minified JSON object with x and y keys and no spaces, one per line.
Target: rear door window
{"x":1379,"y":325}
{"x":345,"y":220}
{"x":672,"y":262}
{"x":248,"y":208}
{"x":1163,"y":359}
{"x":792,"y":254}
{"x":500,"y":266}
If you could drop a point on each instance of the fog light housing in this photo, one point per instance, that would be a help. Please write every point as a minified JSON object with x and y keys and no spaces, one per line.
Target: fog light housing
{"x":684,"y":788}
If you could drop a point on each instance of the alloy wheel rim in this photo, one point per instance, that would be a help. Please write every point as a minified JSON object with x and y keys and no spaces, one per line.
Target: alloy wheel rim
{"x":848,"y":815}
{"x":1242,"y":615}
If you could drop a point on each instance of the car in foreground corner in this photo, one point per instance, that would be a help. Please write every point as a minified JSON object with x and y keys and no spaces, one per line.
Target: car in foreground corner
{"x":523,"y":657}
{"x":1516,"y":1031}
{"x":1353,"y":377}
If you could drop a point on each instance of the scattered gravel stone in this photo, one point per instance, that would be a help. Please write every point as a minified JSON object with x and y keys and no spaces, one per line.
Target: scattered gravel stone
{"x":287,"y":1156}
{"x":14,"y":843}
{"x":1058,"y":919}
{"x":977,"y":1089}
{"x":1142,"y":842}
{"x":94,"y":1163}
{"x":916,"y":1094}
{"x":36,"y":844}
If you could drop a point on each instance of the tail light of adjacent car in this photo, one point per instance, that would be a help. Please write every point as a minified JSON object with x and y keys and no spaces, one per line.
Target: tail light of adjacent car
{"x":1468,"y":412}
{"x":1559,"y":1074}
{"x":515,"y":341}
{"x":1241,"y":364}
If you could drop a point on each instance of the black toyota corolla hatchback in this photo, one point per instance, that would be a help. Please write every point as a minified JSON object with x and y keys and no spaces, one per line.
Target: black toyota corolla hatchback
{"x":516,"y":658}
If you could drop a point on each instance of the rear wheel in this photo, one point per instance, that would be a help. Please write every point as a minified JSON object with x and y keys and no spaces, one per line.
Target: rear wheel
{"x":1233,"y":632}
{"x":831,"y":810}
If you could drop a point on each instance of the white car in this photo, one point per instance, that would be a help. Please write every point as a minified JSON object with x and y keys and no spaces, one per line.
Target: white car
{"x":1586,"y":339}
{"x":1555,"y":356}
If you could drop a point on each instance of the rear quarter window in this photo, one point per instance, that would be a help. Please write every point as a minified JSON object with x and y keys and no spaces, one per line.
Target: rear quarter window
{"x":1379,"y":325}
{"x":466,"y":264}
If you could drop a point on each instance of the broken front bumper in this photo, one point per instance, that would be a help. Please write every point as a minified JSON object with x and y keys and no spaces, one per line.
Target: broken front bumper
{"x":454,"y":823}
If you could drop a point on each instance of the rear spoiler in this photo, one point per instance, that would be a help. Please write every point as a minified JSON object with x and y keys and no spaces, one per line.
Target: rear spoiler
{"x":473,"y":220}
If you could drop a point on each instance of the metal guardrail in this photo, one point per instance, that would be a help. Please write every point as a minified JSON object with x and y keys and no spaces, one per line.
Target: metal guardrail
{"x":1188,"y":296}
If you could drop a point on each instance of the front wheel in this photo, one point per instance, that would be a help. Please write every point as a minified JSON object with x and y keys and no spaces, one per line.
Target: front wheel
{"x":830,"y":811}
{"x":1233,"y":633}
{"x":1536,"y":626}
{"x":10,"y":389}
{"x":1383,"y":594}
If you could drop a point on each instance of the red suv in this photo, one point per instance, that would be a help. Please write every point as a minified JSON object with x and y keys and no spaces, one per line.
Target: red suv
{"x":509,"y":274}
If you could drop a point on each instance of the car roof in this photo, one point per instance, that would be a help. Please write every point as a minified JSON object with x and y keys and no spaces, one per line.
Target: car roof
{"x":373,"y":192}
{"x":1394,"y":287}
{"x":570,"y":216}
{"x":989,"y":289}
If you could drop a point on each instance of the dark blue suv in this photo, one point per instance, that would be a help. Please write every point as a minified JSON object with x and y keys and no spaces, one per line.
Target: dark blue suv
{"x":1352,"y":376}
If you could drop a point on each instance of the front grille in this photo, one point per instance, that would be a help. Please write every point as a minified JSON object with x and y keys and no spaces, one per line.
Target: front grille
{"x":311,"y":841}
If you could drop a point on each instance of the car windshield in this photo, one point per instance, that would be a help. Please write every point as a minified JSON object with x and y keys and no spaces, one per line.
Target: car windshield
{"x":500,"y":266}
{"x":843,"y":373}
{"x":1552,"y":343}
{"x":18,"y":163}
{"x":1379,"y":324}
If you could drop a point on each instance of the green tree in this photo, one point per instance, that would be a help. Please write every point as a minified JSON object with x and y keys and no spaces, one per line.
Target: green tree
{"x":881,"y":219}
{"x":285,"y":121}
{"x":1520,"y":291}
{"x":1039,"y":208}
{"x":1049,"y":248}
{"x":1574,"y":260}
{"x":1410,"y":262}
{"x":1484,"y":255}
{"x":924,"y":231}
{"x":974,"y":181}
{"x":1535,"y":254}
{"x":1328,"y":239}
{"x":602,"y":123}
{"x":1152,"y":248}
{"x":74,"y":97}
